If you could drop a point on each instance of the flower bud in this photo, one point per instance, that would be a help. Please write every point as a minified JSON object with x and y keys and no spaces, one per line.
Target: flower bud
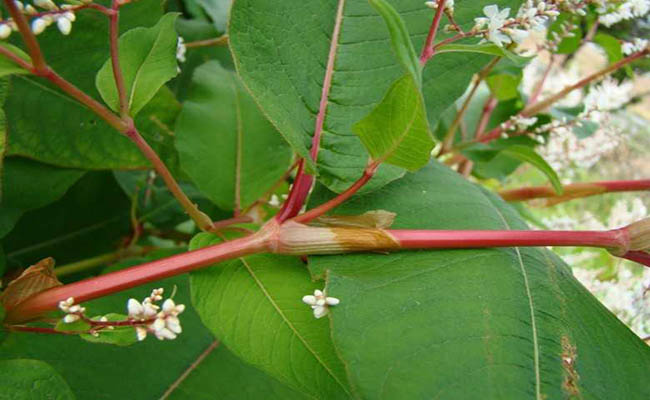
{"x":38,"y":26}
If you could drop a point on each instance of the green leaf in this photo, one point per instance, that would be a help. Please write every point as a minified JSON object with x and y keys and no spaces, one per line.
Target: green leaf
{"x":7,"y":67}
{"x":225,"y":144}
{"x":397,"y":131}
{"x":28,"y":184}
{"x":285,"y":59}
{"x":400,"y":39}
{"x":504,"y":86}
{"x":487,"y":48}
{"x":147,"y":61}
{"x":527,"y":154}
{"x":4,"y":83}
{"x":142,"y":371}
{"x":32,"y":379}
{"x":119,"y":336}
{"x":472,"y":323}
{"x":223,"y":376}
{"x":253,"y":305}
{"x":90,"y":219}
{"x":218,"y":11}
{"x":46,"y":125}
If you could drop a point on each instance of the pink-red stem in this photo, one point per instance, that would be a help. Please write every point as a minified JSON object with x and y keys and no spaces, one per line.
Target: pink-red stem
{"x":576,"y":190}
{"x":428,"y":50}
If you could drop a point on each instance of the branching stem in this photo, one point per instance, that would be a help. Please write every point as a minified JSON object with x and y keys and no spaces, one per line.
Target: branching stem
{"x":427,"y":49}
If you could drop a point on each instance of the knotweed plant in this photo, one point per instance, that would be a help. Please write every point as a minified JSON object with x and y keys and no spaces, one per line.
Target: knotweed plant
{"x":327,"y":187}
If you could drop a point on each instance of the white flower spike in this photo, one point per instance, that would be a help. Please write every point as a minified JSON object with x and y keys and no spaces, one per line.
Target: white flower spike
{"x":320,"y":303}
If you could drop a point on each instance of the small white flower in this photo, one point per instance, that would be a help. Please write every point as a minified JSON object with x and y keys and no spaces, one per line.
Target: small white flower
{"x":320,"y":303}
{"x":64,"y":25}
{"x":141,"y":333}
{"x":70,"y":318}
{"x":5,"y":31}
{"x":637,"y":44}
{"x":70,"y":16}
{"x":38,"y":26}
{"x":30,"y":10}
{"x":46,"y":4}
{"x":180,"y":49}
{"x":134,"y":308}
{"x":170,"y":308}
{"x":19,"y":5}
{"x":517,"y":35}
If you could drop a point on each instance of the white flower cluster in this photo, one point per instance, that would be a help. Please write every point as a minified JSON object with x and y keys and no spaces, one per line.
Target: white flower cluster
{"x":634,"y":46}
{"x":608,"y":95}
{"x":613,"y":12}
{"x":166,"y":324}
{"x":501,"y":29}
{"x":73,"y":312}
{"x":320,"y":303}
{"x":44,"y":13}
{"x":449,"y":5}
{"x":627,"y":296}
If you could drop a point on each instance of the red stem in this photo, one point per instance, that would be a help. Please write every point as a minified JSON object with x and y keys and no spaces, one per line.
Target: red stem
{"x":640,"y":257}
{"x":336,"y":201}
{"x":575,"y":190}
{"x":488,"y":108}
{"x":117,"y":281}
{"x":428,"y":50}
{"x":537,"y":107}
{"x":427,"y":239}
{"x":33,"y":48}
{"x":303,"y":183}
{"x":114,"y":32}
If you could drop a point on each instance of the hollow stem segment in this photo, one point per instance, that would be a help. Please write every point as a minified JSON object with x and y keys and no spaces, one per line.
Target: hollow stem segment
{"x":293,"y":238}
{"x":574,"y":191}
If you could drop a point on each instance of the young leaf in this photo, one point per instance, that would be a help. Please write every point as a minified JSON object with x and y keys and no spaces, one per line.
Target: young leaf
{"x":253,"y":305}
{"x":65,"y":133}
{"x":490,"y":49}
{"x":397,"y":131}
{"x":147,"y":61}
{"x":475,"y":323}
{"x":284,"y":62}
{"x":32,"y":379}
{"x":8,"y":67}
{"x":527,"y":154}
{"x":400,"y":39}
{"x":225,"y":144}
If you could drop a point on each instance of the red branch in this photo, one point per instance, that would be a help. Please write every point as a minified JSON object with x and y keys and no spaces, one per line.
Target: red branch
{"x":575,"y":190}
{"x":428,"y":50}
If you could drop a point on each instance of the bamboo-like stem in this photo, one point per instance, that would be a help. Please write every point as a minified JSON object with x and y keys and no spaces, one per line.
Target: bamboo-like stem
{"x":297,"y":239}
{"x":428,"y":49}
{"x":218,"y":41}
{"x":117,"y":281}
{"x":574,"y":190}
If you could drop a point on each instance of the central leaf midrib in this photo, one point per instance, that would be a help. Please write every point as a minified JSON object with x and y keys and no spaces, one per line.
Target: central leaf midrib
{"x":267,"y":295}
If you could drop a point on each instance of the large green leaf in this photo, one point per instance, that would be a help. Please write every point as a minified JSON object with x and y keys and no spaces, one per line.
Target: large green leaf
{"x":507,"y":323}
{"x":225,"y":144}
{"x":28,"y":184}
{"x":253,"y":305}
{"x":223,"y":376}
{"x":8,"y":67}
{"x":397,"y":131}
{"x":46,"y":125}
{"x":284,"y":61}
{"x":90,"y":219}
{"x":30,"y":380}
{"x":147,"y":61}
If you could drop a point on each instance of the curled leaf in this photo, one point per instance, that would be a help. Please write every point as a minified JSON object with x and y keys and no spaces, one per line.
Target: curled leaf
{"x":33,"y":280}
